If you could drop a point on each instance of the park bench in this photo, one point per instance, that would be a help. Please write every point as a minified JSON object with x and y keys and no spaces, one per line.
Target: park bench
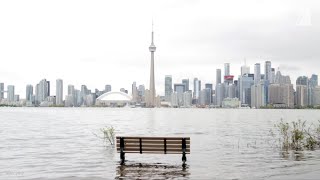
{"x":153,"y":145}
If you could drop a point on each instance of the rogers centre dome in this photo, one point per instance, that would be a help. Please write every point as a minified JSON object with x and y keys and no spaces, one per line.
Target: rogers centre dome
{"x":114,"y":99}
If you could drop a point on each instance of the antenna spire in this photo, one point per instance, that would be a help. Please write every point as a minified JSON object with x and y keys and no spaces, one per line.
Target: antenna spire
{"x":152,"y":32}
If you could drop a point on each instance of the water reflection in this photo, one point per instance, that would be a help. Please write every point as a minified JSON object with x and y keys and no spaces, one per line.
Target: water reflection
{"x":151,"y":171}
{"x":295,"y":155}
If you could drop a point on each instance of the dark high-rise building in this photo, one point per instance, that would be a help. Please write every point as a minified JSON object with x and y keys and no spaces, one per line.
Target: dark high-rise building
{"x":168,"y":87}
{"x":302,"y":80}
{"x":48,"y":88}
{"x":179,"y":88}
{"x":186,"y":83}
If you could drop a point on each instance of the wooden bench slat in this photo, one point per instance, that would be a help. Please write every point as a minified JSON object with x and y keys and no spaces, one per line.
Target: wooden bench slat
{"x":153,"y":141}
{"x":154,"y":145}
{"x":153,"y":149}
{"x":153,"y":138}
{"x":155,"y":152}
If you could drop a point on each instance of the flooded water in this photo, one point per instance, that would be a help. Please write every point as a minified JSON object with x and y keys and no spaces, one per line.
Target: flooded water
{"x":60,"y":143}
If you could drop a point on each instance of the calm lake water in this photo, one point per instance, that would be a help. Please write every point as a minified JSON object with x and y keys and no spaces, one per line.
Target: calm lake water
{"x":59,"y":143}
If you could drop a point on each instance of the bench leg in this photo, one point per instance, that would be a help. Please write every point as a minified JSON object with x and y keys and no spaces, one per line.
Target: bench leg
{"x":122,"y":157}
{"x":184,"y":158}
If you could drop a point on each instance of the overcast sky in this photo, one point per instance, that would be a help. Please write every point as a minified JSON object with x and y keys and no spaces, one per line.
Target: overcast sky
{"x":106,"y":42}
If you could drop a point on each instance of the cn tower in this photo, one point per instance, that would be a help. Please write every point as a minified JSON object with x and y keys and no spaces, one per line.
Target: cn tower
{"x":152,"y":49}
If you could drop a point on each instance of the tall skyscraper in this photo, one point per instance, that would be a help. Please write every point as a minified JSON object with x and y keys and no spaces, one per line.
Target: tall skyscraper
{"x":10,"y":93}
{"x":267,"y":71}
{"x":1,"y":91}
{"x":186,"y":83}
{"x":84,"y":93}
{"x":29,"y":92}
{"x":59,"y":92}
{"x":226,"y":69}
{"x":152,"y":49}
{"x":168,"y":87}
{"x":42,"y":90}
{"x":257,"y":73}
{"x":218,"y":76}
{"x":196,"y":88}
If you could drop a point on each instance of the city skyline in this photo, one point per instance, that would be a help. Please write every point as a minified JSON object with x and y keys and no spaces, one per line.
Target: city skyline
{"x":85,"y":45}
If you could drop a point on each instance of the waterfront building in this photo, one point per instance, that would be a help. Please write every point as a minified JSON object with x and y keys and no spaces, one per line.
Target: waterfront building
{"x":78,"y":97}
{"x":246,"y":81}
{"x":281,"y":95}
{"x":218,"y":76}
{"x":69,"y":101}
{"x":187,"y":99}
{"x":152,"y":49}
{"x":219,"y":94}
{"x":29,"y":92}
{"x":10,"y":93}
{"x":257,"y":73}
{"x":316,"y":96}
{"x":301,"y":95}
{"x":71,"y":94}
{"x":1,"y":91}
{"x":209,"y":86}
{"x":258,"y":95}
{"x":59,"y":92}
{"x":205,"y":96}
{"x":231,"y":103}
{"x":16,"y":98}
{"x":174,"y":99}
{"x":180,"y":89}
{"x":168,"y":87}
{"x":84,"y":92}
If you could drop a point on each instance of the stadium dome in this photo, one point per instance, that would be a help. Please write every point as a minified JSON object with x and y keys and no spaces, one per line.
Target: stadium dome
{"x":114,"y":99}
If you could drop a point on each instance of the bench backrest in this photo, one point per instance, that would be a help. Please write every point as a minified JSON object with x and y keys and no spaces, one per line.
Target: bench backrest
{"x":155,"y":145}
